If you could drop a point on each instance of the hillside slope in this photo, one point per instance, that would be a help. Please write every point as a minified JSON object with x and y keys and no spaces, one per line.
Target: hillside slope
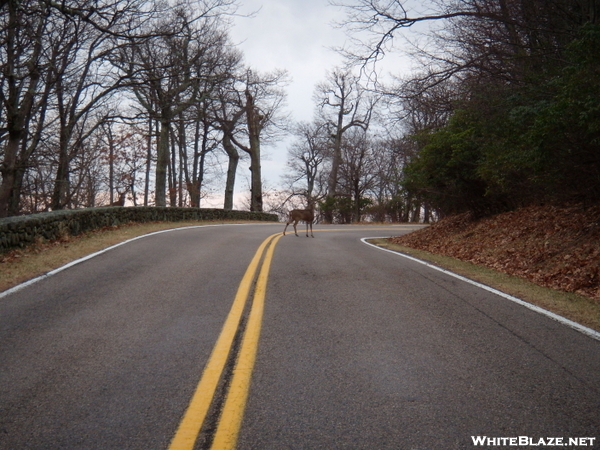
{"x":557,"y":247}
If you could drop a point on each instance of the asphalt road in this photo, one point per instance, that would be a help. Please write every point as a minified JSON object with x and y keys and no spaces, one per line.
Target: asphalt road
{"x":359,"y":349}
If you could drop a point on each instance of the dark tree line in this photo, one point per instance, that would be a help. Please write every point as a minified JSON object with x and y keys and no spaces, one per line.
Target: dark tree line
{"x":133,"y":99}
{"x":144,"y":101}
{"x":505,"y":111}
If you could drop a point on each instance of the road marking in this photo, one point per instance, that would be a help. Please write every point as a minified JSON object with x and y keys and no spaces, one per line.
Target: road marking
{"x":225,"y":437}
{"x":230,"y":421}
{"x":92,"y":255}
{"x":192,"y":421}
{"x":100,"y":252}
{"x":574,"y":325}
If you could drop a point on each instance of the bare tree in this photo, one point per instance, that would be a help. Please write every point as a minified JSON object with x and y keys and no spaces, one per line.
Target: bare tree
{"x":200,"y":128}
{"x":117,"y":18}
{"x":83,"y":87}
{"x":54,"y":73}
{"x":261,"y":99}
{"x":306,"y":159}
{"x":358,"y":171}
{"x":342,"y":104}
{"x":374,"y":24}
{"x":173,"y":71}
{"x":61,"y":63}
{"x":24,"y":91}
{"x":124,"y":147}
{"x":504,"y":40}
{"x":228,"y":116}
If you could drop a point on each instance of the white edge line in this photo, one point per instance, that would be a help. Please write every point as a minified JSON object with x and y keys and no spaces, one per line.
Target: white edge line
{"x":92,"y":255}
{"x":576,"y":326}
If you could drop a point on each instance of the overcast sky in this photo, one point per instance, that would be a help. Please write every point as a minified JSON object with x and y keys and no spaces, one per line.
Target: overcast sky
{"x":294,"y":35}
{"x":298,"y":36}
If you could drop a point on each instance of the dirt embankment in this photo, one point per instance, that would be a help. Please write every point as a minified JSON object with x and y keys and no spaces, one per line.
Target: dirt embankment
{"x":556,"y":247}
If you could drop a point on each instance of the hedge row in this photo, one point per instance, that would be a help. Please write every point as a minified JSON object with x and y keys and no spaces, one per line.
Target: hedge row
{"x":22,"y":230}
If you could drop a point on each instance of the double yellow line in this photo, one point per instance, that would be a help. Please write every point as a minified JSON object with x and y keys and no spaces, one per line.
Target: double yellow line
{"x":225,"y":436}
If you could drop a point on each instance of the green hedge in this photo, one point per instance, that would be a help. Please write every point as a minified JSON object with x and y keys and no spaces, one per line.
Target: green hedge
{"x":22,"y":230}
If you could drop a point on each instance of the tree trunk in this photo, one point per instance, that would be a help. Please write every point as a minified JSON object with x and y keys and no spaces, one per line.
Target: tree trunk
{"x":18,"y":104}
{"x":148,"y":163}
{"x":416,"y":213}
{"x":61,"y":182}
{"x":200,"y":178}
{"x":357,"y":202}
{"x":14,"y":202}
{"x":111,"y":166}
{"x":180,"y":185}
{"x":9,"y":173}
{"x":406,"y":210}
{"x":172,"y":173}
{"x":254,"y":128}
{"x":256,"y":203}
{"x":162,"y":162}
{"x":132,"y":188}
{"x":336,"y":159}
{"x":193,"y":182}
{"x":234,"y":158}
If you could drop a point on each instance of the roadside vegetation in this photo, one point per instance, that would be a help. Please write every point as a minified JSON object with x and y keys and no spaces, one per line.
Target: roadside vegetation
{"x":127,"y":102}
{"x":503,"y":109}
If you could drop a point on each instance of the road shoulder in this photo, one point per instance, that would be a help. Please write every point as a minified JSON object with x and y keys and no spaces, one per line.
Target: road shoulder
{"x":571,"y":306}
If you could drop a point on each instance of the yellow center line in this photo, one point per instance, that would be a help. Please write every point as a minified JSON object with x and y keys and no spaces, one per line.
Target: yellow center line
{"x":192,"y":421}
{"x":232,"y":413}
{"x":230,"y":422}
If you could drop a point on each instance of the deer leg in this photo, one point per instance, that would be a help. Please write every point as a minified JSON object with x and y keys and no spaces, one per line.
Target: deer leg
{"x":311,"y":233}
{"x":286,"y":225}
{"x":295,"y":230}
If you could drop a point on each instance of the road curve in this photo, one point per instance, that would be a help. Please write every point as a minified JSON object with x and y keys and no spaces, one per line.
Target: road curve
{"x":358,"y":349}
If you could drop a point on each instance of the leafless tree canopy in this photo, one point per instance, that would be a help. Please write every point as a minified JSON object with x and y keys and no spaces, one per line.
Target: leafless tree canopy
{"x":502,"y":110}
{"x":124,"y":101}
{"x":148,"y":102}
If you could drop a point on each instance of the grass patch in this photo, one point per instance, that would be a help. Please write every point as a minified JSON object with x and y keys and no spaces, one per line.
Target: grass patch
{"x":17,"y":266}
{"x":577,"y":308}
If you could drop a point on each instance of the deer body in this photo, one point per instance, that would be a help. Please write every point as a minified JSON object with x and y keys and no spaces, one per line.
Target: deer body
{"x":296,"y":215}
{"x":121,"y":201}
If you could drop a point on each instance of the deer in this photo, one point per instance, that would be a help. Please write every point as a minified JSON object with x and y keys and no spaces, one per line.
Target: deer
{"x":121,"y":200}
{"x":296,"y":215}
